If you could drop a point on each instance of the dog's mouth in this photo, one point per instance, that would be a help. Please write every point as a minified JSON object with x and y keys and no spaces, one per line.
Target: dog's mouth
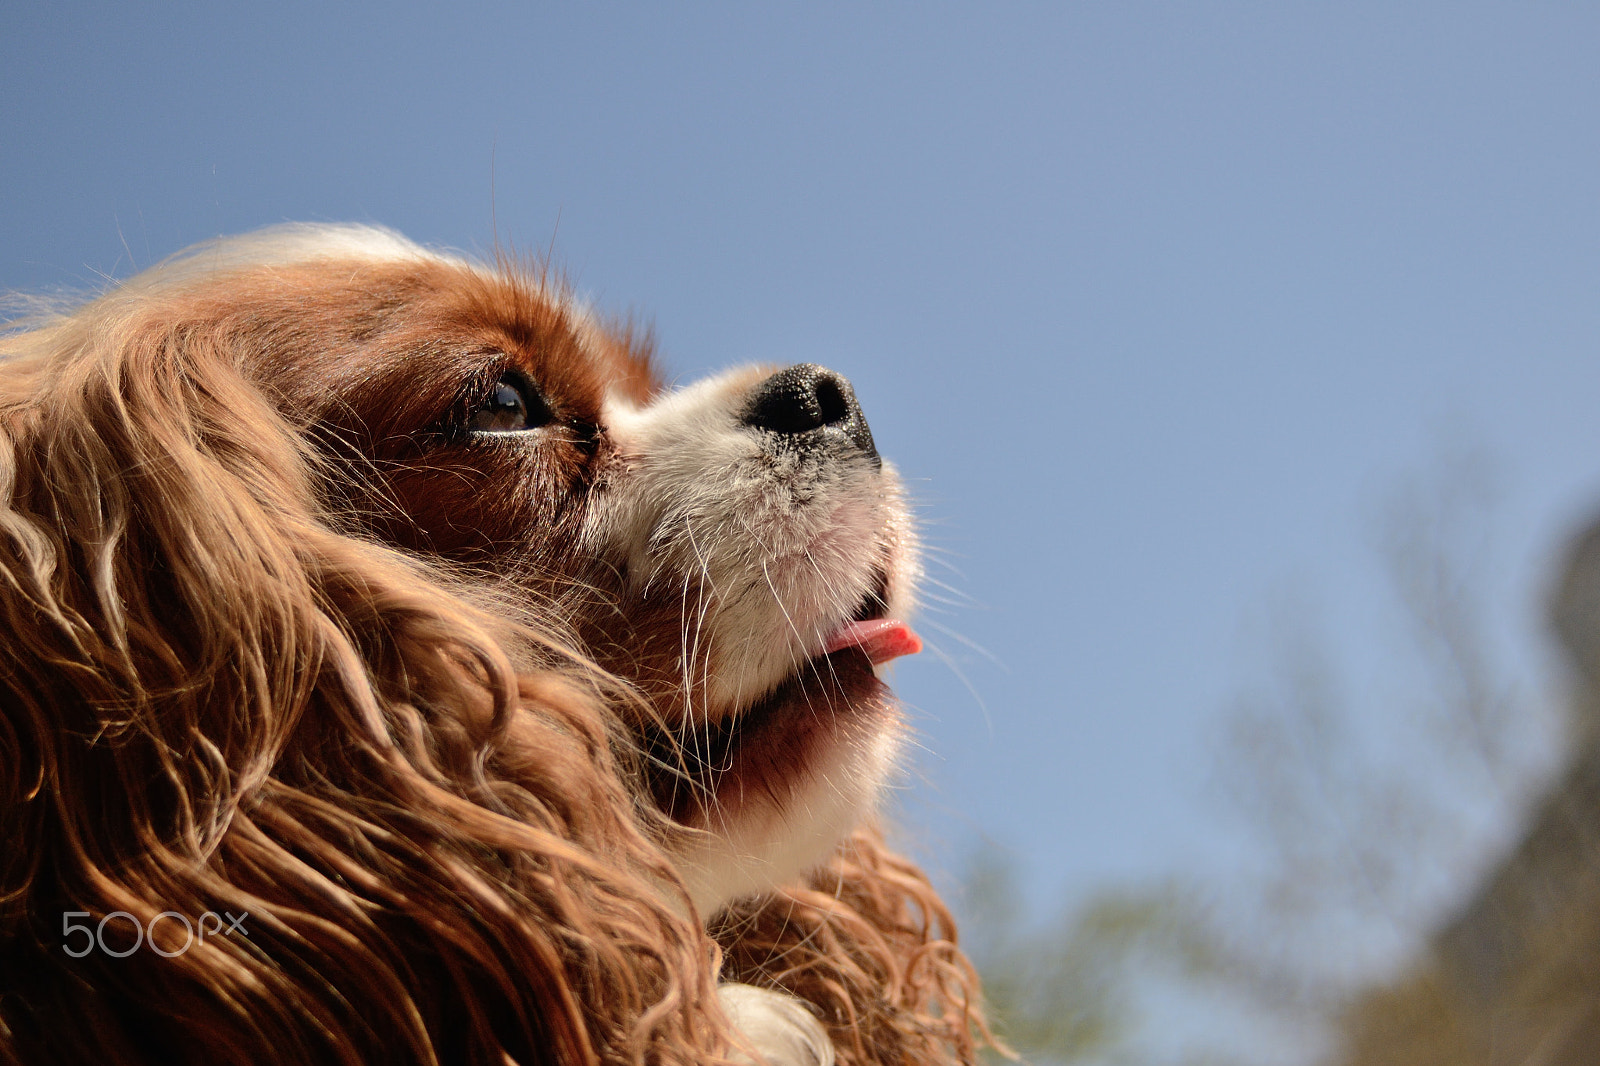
{"x":763,"y":748}
{"x":880,"y":637}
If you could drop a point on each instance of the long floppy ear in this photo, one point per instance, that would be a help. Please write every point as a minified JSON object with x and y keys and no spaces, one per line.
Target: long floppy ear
{"x":214,"y":704}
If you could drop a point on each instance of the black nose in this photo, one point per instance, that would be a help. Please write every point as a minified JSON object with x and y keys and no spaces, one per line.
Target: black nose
{"x":807,"y":398}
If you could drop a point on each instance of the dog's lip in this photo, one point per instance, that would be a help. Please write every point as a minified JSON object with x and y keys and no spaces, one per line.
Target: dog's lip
{"x":882,"y":639}
{"x":839,"y":677}
{"x":870,"y":628}
{"x":766,"y":744}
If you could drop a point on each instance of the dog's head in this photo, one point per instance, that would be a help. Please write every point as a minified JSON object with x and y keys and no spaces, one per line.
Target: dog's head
{"x":737,"y":551}
{"x":371,"y":589}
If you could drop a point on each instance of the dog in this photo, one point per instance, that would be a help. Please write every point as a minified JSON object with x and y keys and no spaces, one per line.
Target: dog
{"x":506,"y":706}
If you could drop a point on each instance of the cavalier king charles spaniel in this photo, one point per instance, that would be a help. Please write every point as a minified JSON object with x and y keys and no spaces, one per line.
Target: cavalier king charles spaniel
{"x":392,"y":670}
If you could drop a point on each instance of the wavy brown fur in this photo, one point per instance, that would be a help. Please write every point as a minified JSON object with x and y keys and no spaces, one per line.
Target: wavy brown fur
{"x":215,"y":698}
{"x":213,"y":701}
{"x":869,"y":943}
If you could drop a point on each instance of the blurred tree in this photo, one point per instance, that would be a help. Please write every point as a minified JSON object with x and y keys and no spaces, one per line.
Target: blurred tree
{"x":1066,"y":992}
{"x":1514,"y":976}
{"x":1374,"y":817}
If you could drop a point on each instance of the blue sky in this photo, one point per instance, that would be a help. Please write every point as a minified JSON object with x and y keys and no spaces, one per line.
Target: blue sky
{"x":1150,"y":302}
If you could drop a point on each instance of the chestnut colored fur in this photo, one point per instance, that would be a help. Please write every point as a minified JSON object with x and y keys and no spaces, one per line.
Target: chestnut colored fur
{"x":265,"y":649}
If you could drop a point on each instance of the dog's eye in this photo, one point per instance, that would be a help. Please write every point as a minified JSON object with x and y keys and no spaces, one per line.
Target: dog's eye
{"x":511,"y":406}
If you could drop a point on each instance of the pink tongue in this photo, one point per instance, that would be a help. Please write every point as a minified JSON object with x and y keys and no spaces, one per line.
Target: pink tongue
{"x":882,"y":639}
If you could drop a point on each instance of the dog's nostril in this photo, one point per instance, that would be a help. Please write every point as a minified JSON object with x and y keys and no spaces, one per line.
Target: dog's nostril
{"x":831,"y":404}
{"x":808,"y":397}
